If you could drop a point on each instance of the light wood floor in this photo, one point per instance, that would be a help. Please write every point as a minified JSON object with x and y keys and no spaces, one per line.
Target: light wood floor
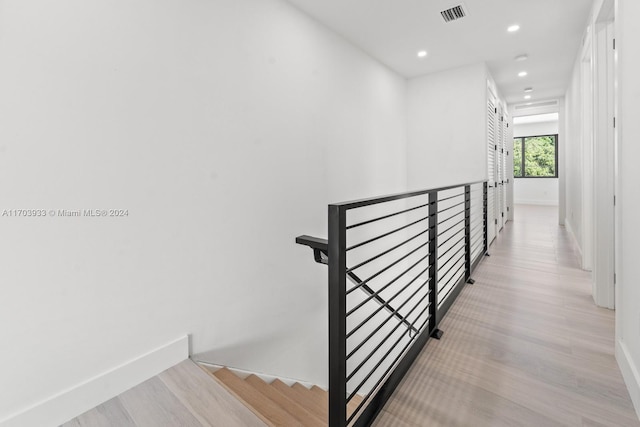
{"x":183,"y":396}
{"x":524,"y":346}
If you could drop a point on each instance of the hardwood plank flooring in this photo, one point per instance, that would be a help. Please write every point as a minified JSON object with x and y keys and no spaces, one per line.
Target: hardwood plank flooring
{"x":183,"y":396}
{"x":524,"y":346}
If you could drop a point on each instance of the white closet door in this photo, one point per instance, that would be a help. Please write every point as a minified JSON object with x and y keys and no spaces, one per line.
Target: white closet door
{"x":491,"y":166}
{"x":500,"y":168}
{"x":505,"y":176}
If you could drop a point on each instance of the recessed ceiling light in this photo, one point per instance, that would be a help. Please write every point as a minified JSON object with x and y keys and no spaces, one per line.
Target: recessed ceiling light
{"x":527,"y":97}
{"x":522,"y":73}
{"x":422,"y":54}
{"x":522,"y":57}
{"x":513,"y":28}
{"x":528,"y":89}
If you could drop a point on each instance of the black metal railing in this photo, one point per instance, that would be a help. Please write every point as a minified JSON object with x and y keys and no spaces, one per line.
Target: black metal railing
{"x":407,"y":257}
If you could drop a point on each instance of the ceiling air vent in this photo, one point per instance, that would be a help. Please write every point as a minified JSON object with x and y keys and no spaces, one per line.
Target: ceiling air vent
{"x":453,"y":14}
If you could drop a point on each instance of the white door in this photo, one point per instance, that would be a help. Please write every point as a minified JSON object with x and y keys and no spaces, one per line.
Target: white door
{"x":604,"y":166}
{"x":505,"y":174}
{"x":500,"y":170}
{"x":491,"y":167}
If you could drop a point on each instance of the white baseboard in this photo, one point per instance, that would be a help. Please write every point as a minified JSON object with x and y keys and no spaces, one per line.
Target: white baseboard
{"x":536,"y":202}
{"x":630,"y":374}
{"x":82,"y":397}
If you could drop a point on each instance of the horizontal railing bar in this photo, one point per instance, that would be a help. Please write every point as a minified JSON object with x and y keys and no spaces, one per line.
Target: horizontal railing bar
{"x":383,"y":377}
{"x":441,"y":256}
{"x":477,"y":218}
{"x":441,"y":300}
{"x":389,"y":301}
{"x":387,"y":234}
{"x":478,"y":246}
{"x":384,"y":340}
{"x":476,"y":253}
{"x":475,"y":214}
{"x":444,"y":242}
{"x":375,"y":368}
{"x":440,"y":233}
{"x":451,"y":217}
{"x":375,"y":294}
{"x":477,"y":243}
{"x":478,"y":258}
{"x":393,"y":264}
{"x":363,"y":263}
{"x":450,"y":197}
{"x":477,"y":230}
{"x":452,"y":257}
{"x":456,"y":268}
{"x":377,"y":200}
{"x":375,"y":331}
{"x":454,"y":206}
{"x":476,"y":233}
{"x":475,"y":222}
{"x":460,"y":270}
{"x":384,"y":217}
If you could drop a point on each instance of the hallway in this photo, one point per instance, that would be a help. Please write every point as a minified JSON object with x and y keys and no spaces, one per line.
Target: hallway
{"x":524,"y":346}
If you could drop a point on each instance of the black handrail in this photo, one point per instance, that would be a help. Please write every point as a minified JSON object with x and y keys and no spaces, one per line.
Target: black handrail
{"x":366,"y":359}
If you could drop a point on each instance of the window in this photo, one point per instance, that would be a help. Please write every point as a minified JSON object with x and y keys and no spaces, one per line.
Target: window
{"x":535,"y":157}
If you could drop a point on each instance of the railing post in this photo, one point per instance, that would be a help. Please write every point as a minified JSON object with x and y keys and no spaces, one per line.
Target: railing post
{"x":467,"y":232}
{"x":337,"y":317}
{"x":433,"y":259}
{"x":485,"y":215}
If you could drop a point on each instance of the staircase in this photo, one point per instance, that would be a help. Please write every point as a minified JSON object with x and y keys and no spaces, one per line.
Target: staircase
{"x":278,"y":404}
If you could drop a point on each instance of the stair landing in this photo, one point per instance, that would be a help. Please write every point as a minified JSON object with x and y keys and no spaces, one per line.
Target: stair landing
{"x":182,"y":396}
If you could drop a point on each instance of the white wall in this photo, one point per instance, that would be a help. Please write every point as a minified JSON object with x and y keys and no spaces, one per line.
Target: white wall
{"x":562,"y":163}
{"x":536,"y":191}
{"x":225,"y":128}
{"x":447,"y":122}
{"x":627,"y":292}
{"x":573,"y":153}
{"x":628,"y":234}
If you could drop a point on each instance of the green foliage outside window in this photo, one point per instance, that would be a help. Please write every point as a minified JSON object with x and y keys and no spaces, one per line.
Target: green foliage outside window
{"x":538,"y":158}
{"x":517,"y":157}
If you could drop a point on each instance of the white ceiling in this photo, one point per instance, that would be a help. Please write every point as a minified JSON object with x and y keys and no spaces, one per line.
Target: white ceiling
{"x":393,"y":31}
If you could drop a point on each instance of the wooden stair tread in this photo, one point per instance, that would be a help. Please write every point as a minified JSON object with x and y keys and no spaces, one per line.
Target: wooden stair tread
{"x":281,"y":405}
{"x":304,"y":398}
{"x":294,"y":408}
{"x":318,"y":392}
{"x":269,"y":411}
